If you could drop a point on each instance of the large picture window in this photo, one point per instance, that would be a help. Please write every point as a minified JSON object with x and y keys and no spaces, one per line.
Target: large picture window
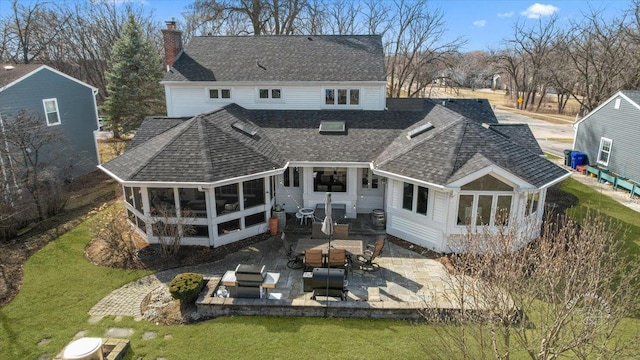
{"x":329,"y":179}
{"x":605,"y":151}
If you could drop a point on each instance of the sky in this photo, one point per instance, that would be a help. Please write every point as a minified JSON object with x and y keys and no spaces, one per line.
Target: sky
{"x":484,"y":24}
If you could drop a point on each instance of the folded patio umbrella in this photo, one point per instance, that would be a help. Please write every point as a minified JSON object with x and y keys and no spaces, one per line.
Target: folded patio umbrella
{"x":327,"y":224}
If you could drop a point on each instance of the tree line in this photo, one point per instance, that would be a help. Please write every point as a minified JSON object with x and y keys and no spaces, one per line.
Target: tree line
{"x":586,"y":59}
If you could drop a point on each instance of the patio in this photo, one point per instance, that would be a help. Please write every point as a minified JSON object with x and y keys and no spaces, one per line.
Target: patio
{"x":405,"y":283}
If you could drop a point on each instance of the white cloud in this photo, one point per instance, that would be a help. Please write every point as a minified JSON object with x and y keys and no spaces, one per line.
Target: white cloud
{"x":480,"y":23}
{"x":538,"y":10}
{"x":505,"y":14}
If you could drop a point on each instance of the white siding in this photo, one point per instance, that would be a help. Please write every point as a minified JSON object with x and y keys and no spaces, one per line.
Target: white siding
{"x":192,"y":99}
{"x":414,"y":232}
{"x":415,"y":228}
{"x":440,"y":207}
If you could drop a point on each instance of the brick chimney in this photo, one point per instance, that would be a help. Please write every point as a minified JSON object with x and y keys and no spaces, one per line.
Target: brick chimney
{"x":172,"y":42}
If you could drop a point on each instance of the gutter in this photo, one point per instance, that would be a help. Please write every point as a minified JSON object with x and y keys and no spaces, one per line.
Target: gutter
{"x":407,"y":179}
{"x":199,"y":185}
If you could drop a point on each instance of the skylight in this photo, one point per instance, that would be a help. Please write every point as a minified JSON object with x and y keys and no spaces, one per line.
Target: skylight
{"x":419,"y":130}
{"x":245,"y":128}
{"x":332,"y":127}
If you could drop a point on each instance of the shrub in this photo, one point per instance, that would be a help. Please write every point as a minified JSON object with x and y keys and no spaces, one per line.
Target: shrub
{"x":186,"y":287}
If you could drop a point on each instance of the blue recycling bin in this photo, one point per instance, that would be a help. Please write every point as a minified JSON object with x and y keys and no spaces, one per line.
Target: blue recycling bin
{"x":578,"y":158}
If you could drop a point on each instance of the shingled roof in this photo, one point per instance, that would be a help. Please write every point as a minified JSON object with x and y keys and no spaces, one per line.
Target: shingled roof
{"x":207,"y":148}
{"x":281,"y":58}
{"x":519,"y":133}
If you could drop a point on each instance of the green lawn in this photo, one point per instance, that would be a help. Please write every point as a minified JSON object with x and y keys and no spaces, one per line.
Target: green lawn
{"x":60,"y":287}
{"x":591,"y":200}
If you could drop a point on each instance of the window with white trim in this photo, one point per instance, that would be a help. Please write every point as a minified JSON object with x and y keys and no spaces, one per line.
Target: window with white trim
{"x":415,"y":198}
{"x":342,"y":97}
{"x":51,"y":111}
{"x":270,"y":94}
{"x":369,"y":179}
{"x":291,"y":177}
{"x":485,"y":201}
{"x":605,"y":151}
{"x":219,"y":93}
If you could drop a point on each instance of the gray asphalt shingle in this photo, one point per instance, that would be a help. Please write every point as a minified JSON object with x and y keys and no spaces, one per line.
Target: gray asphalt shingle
{"x":281,"y":58}
{"x":207,"y":148}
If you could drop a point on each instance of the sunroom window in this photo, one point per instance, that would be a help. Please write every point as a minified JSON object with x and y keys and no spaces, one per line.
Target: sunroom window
{"x":485,"y":201}
{"x":329,"y":179}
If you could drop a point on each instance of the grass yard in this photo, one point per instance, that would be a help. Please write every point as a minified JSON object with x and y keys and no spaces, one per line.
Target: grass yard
{"x":592,"y":200}
{"x":60,"y":287}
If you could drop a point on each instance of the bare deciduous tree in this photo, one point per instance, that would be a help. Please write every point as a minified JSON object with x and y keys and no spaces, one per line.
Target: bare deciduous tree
{"x":28,"y":142}
{"x":563,"y":295}
{"x":170,"y":227}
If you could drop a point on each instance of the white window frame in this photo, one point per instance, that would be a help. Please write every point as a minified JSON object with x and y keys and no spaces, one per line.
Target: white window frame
{"x":532,"y":198}
{"x":368,"y":173}
{"x":269,"y":97}
{"x":207,"y":93}
{"x":414,"y":200}
{"x":335,"y":97}
{"x":46,"y":114}
{"x":492,"y":212}
{"x":604,"y":140}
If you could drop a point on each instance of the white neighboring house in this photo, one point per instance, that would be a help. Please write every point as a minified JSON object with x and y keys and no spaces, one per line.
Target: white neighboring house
{"x":226,"y":158}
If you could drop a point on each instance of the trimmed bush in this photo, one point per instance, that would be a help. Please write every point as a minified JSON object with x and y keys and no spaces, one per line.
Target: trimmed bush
{"x":186,"y":287}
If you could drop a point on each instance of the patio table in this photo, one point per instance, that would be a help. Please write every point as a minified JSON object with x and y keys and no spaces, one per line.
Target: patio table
{"x":353,"y":247}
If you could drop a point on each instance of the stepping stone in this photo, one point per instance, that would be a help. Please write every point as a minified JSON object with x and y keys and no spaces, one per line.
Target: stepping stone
{"x":168,"y":337}
{"x":95,"y":319}
{"x":148,"y":335}
{"x":44,"y":342}
{"x":373,"y":294}
{"x":119,"y":332}
{"x":80,"y":334}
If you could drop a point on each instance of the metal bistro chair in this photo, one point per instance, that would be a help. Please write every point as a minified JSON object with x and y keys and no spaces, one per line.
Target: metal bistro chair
{"x":294,"y":261}
{"x":369,"y":255}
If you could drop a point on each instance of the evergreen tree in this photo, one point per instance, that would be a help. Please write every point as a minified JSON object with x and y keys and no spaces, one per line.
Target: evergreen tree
{"x":133,"y":79}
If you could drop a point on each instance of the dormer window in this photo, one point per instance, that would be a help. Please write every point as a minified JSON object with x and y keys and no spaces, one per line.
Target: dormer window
{"x":341,"y":97}
{"x":219,"y":93}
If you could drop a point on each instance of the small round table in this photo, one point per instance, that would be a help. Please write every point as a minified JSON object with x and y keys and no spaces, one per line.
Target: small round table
{"x":84,"y":348}
{"x":307,"y":213}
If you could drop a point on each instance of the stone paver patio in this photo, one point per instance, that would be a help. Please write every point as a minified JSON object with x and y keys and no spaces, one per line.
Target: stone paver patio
{"x":404,"y":277}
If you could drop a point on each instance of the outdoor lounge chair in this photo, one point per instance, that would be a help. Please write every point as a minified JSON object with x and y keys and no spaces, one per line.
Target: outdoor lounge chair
{"x":313,"y":259}
{"x":338,"y":259}
{"x":369,"y":255}
{"x":293,"y":261}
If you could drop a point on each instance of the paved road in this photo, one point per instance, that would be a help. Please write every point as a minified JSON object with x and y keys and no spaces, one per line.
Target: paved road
{"x":547,"y":134}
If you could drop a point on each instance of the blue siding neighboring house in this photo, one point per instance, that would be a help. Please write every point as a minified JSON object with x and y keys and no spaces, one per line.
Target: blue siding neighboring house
{"x":64,"y":103}
{"x":610,"y":134}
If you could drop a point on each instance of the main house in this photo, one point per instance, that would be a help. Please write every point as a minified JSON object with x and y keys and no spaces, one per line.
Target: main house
{"x":609,"y":135}
{"x":258,"y":121}
{"x":63,"y":103}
